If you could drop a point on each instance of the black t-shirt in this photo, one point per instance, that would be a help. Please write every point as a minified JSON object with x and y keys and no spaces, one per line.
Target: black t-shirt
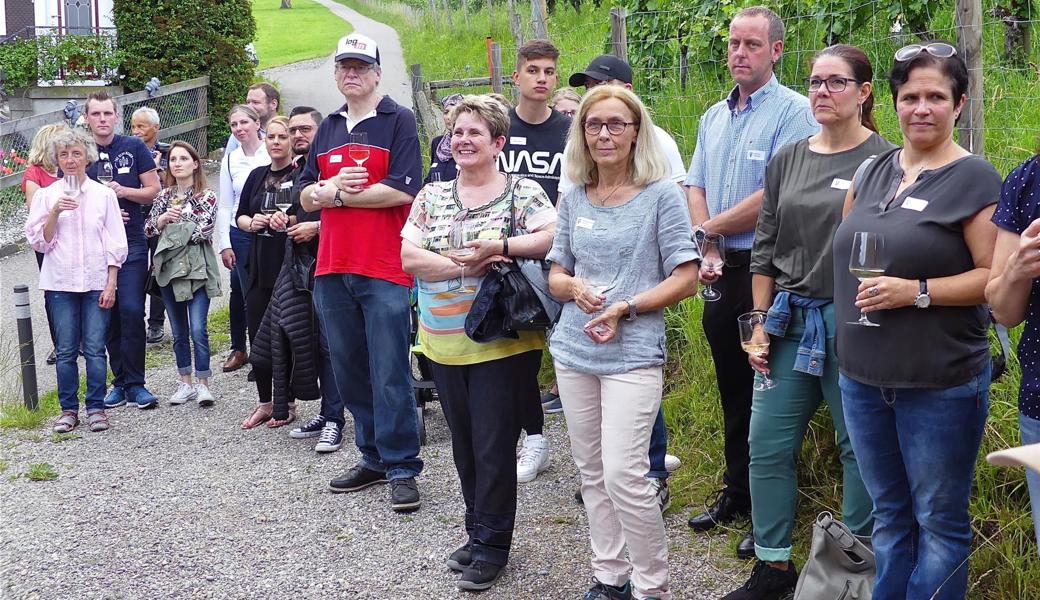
{"x":266,"y":253}
{"x":923,"y":226}
{"x":536,"y":151}
{"x":446,"y":168}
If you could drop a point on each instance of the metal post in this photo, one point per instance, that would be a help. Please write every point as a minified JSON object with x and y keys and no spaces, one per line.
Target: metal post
{"x":23,"y":314}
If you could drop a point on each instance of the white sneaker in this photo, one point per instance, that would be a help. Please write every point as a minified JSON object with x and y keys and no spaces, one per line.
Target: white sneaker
{"x":664,"y":497}
{"x":204,"y":396}
{"x":184,"y":393}
{"x":671,"y":463}
{"x":534,"y":458}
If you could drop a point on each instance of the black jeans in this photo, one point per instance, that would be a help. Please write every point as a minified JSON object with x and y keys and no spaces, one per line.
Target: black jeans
{"x":156,"y":307}
{"x":257,"y":298}
{"x":734,"y":374}
{"x":484,"y":405}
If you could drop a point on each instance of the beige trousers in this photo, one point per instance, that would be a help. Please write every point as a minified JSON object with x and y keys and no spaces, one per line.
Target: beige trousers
{"x":609,"y":418}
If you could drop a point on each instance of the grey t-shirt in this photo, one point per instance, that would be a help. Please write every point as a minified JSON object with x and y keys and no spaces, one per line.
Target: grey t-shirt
{"x":935,"y":347}
{"x":628,"y":248}
{"x":801,"y":208}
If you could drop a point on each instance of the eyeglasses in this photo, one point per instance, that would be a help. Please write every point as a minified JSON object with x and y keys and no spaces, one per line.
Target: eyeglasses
{"x":613,"y":127}
{"x":301,"y":129}
{"x":834,"y":85}
{"x":936,"y":49}
{"x":359,"y":69}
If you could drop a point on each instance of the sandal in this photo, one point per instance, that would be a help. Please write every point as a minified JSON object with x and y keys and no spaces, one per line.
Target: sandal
{"x":66,"y":422}
{"x":260,"y":415}
{"x":97,"y":420}
{"x":273,"y":423}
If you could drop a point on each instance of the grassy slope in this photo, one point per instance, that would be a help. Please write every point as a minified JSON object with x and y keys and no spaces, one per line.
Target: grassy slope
{"x":305,"y":31}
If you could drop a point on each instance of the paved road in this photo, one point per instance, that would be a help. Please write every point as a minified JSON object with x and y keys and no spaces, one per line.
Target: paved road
{"x":310,"y":82}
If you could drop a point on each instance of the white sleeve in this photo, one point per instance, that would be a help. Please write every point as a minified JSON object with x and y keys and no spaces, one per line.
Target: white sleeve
{"x":565,"y":184}
{"x":671,"y":150}
{"x":222,"y":233}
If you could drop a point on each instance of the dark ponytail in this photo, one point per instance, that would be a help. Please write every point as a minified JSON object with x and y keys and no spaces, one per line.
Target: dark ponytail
{"x":862,"y":70}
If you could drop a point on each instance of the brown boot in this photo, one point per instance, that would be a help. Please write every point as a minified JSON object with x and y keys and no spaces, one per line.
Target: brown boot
{"x":235,"y":361}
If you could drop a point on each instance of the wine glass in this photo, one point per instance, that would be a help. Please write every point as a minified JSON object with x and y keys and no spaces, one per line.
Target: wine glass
{"x":359,"y":150}
{"x":435,"y":177}
{"x":283,"y":200}
{"x":104,"y":171}
{"x":179,"y":197}
{"x":865,"y":263}
{"x":713,"y":253}
{"x":71,"y":188}
{"x":594,"y":277}
{"x":268,"y":206}
{"x":460,"y":233}
{"x":755,"y":341}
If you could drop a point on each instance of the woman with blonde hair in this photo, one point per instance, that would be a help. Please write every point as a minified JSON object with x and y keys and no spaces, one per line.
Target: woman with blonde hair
{"x":623,"y":252}
{"x":565,"y":100}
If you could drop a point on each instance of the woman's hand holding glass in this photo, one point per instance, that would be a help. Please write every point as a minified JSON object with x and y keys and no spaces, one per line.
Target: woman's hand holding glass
{"x":278,"y":221}
{"x":1024,"y":263}
{"x":587,"y":297}
{"x":884,"y":293}
{"x":259,"y":222}
{"x":65,"y":203}
{"x":604,"y":326}
{"x":172,"y":215}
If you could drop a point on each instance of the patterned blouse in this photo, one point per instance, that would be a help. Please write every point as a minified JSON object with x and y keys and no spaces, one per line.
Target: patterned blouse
{"x":200,"y":208}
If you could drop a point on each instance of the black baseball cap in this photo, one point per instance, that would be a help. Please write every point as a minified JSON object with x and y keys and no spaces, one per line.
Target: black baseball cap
{"x":603,"y":68}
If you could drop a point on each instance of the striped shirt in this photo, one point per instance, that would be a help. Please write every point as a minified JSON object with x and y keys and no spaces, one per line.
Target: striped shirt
{"x":733,"y":146}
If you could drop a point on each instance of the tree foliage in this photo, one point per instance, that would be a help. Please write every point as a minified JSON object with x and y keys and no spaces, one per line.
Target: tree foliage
{"x":182,"y":39}
{"x":47,"y":58}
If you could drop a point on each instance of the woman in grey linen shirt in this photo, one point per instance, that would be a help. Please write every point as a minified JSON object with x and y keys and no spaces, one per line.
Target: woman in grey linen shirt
{"x":915,"y":390}
{"x":623,"y":250}
{"x":792,"y":278}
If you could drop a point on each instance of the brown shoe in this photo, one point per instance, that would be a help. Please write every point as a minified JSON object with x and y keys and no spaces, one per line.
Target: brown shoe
{"x":235,"y":361}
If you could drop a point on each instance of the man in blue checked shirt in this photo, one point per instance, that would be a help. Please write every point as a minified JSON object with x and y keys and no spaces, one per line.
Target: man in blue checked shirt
{"x":735,"y":139}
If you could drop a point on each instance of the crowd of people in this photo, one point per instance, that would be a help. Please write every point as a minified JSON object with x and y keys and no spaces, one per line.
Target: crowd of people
{"x":858,"y":267}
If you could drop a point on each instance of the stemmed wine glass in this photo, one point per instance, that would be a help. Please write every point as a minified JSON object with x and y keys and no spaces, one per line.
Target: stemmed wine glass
{"x":755,"y":341}
{"x":713,"y":253}
{"x":179,"y":197}
{"x":461,"y":233}
{"x":283,"y":200}
{"x":866,"y":263}
{"x":71,"y":188}
{"x":104,"y":172}
{"x":359,"y":150}
{"x":268,"y":206}
{"x":592,"y":275}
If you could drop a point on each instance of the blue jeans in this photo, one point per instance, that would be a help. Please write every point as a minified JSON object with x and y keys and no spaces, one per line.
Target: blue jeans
{"x":79,"y":320}
{"x":916,"y":450}
{"x":241,"y":244}
{"x":1030,"y":429}
{"x":331,"y":399}
{"x":366,"y":323}
{"x":126,"y":329}
{"x":188,"y":319}
{"x":658,"y":448}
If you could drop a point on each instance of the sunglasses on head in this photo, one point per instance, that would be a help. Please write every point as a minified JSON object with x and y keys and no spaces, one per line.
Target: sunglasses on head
{"x":936,"y":49}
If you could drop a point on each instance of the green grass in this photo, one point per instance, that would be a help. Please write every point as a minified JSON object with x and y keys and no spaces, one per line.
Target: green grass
{"x":41,"y":472}
{"x":307,"y":30}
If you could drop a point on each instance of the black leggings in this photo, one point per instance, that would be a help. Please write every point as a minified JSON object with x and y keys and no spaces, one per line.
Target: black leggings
{"x":257,"y":299}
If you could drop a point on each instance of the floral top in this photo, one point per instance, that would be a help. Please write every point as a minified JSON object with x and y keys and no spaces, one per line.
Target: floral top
{"x":86,"y":241}
{"x":200,"y":208}
{"x":443,"y":305}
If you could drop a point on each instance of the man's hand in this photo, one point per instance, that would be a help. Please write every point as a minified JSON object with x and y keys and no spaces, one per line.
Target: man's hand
{"x":351,"y":180}
{"x":301,"y":233}
{"x":227,"y":256}
{"x":117,"y":188}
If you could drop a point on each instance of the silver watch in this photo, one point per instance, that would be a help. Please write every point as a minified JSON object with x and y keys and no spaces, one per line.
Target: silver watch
{"x":632,"y":310}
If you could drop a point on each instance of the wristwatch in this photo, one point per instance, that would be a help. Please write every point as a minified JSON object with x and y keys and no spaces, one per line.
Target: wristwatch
{"x":923,"y":300}
{"x":632,"y":310}
{"x":338,"y":198}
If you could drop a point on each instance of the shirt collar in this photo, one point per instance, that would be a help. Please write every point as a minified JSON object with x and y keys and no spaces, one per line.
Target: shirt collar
{"x":756,"y":97}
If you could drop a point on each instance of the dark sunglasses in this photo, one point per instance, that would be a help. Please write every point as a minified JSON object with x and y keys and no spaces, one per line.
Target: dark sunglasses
{"x":936,"y":49}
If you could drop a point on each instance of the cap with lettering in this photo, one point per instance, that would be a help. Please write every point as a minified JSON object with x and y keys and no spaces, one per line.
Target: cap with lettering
{"x":603,"y":68}
{"x":358,"y":46}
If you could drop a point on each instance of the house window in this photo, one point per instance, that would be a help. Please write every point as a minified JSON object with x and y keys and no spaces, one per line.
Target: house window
{"x":78,"y":15}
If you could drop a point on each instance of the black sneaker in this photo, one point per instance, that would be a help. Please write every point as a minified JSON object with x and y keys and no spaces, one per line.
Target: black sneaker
{"x":331,"y":438}
{"x":460,"y":558}
{"x":357,"y":478}
{"x":602,"y":591}
{"x":766,"y":583}
{"x":311,"y":429}
{"x":155,"y":335}
{"x":404,"y":494}
{"x":478,"y":576}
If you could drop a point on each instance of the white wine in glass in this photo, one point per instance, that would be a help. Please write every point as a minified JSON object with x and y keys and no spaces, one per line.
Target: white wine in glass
{"x":713,"y":249}
{"x":755,"y":341}
{"x":268,"y":206}
{"x":104,"y":172}
{"x":865,"y":263}
{"x":69,"y":187}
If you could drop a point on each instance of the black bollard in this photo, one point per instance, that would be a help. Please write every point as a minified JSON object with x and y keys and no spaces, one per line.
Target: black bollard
{"x":25,"y":345}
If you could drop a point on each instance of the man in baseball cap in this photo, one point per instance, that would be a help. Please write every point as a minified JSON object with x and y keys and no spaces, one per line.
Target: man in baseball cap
{"x":603,"y":69}
{"x":357,"y":46}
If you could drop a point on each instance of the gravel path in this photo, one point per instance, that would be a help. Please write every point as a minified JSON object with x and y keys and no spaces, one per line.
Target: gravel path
{"x":180,"y":503}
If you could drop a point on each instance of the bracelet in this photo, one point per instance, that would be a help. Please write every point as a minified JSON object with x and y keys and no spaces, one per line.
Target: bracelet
{"x":505,"y":246}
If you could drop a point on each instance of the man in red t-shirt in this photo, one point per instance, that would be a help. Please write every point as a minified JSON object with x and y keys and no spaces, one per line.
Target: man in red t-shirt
{"x":364,"y":190}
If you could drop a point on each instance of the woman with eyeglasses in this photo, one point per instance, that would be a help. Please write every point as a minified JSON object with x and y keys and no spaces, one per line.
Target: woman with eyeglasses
{"x":793,"y":279}
{"x":623,"y":251}
{"x":442,"y":164}
{"x":915,"y":376}
{"x":565,"y":100}
{"x":456,"y":231}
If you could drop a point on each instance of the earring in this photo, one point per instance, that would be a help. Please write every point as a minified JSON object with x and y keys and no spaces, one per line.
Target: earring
{"x":860,"y":112}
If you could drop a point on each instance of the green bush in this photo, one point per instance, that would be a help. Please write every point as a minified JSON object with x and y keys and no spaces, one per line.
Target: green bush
{"x":185,"y":39}
{"x":26,"y":61}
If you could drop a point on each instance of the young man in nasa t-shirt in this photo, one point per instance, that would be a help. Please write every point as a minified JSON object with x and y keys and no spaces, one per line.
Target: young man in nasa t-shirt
{"x":534,"y":149}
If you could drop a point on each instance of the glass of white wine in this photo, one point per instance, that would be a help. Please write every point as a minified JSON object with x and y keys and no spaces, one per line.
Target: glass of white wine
{"x":594,"y":277}
{"x":283,"y":200}
{"x":866,"y":263}
{"x":755,"y":341}
{"x":268,"y":206}
{"x":713,"y":249}
{"x":460,"y":233}
{"x":69,"y":187}
{"x":179,"y":197}
{"x":104,"y":172}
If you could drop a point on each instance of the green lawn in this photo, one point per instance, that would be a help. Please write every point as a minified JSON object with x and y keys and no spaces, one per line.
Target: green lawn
{"x":307,"y":30}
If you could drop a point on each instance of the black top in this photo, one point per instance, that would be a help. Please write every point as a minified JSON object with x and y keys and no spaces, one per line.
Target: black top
{"x":446,"y":168}
{"x":536,"y":151}
{"x":935,"y":347}
{"x":266,"y":254}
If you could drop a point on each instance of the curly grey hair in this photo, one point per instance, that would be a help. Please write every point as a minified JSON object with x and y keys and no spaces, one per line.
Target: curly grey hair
{"x":75,"y":137}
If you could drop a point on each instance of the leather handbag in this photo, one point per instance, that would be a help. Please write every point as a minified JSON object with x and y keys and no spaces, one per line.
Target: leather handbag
{"x":840,"y":565}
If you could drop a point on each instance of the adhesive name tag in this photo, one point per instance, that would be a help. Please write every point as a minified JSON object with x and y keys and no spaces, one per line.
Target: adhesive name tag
{"x":518,"y":141}
{"x":756,"y":155}
{"x":433,"y":165}
{"x":584,"y":223}
{"x":335,"y":158}
{"x":123,"y":170}
{"x":914,"y":203}
{"x":840,"y":184}
{"x":103,"y":155}
{"x":286,"y":185}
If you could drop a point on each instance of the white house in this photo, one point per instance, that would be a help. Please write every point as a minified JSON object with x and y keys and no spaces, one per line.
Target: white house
{"x":58,"y":16}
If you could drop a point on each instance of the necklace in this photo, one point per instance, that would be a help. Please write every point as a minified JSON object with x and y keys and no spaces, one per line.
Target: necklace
{"x":916,"y":171}
{"x":604,"y":201}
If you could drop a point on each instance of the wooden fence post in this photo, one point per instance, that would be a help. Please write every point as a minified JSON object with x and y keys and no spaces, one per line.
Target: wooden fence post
{"x":491,"y":16}
{"x":424,"y":113}
{"x":496,"y":68}
{"x":433,"y":11}
{"x":446,"y":9}
{"x":541,"y":30}
{"x":514,"y":25}
{"x":971,"y":130}
{"x":618,"y":34}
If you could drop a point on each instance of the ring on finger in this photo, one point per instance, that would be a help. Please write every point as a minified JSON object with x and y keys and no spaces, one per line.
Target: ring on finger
{"x":874,"y":291}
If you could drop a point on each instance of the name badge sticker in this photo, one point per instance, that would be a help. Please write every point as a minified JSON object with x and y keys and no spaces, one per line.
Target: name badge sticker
{"x":841,"y":184}
{"x":518,"y":140}
{"x":335,"y":158}
{"x":123,"y":170}
{"x":584,"y":223}
{"x":286,"y":185}
{"x":914,"y":203}
{"x":756,"y":155}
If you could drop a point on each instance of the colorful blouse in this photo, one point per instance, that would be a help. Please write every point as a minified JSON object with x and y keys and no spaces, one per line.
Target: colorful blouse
{"x":201,"y":209}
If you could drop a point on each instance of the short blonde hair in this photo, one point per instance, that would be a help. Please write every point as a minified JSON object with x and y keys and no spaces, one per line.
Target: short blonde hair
{"x":279,"y":120}
{"x":647,"y":161}
{"x":74,"y":137}
{"x":565,"y":93}
{"x":487,"y":109}
{"x":41,"y":152}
